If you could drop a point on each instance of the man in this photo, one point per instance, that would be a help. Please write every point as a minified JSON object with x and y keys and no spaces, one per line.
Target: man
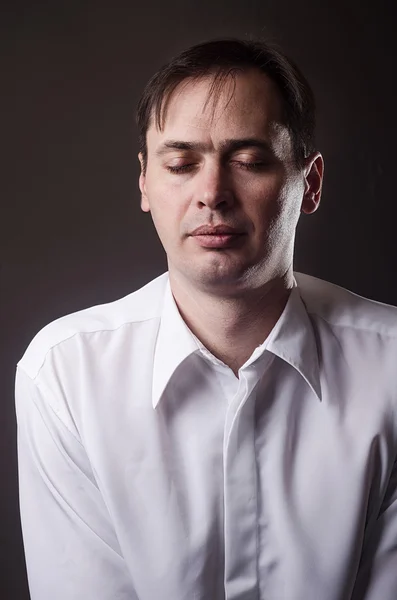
{"x":228,"y":431}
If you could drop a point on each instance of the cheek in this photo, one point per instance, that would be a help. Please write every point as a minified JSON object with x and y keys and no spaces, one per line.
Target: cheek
{"x":286,"y":215}
{"x":274,"y":205}
{"x":166,"y":207}
{"x":262,"y":198}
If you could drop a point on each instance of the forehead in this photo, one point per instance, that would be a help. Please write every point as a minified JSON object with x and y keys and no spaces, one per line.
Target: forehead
{"x":248,"y":104}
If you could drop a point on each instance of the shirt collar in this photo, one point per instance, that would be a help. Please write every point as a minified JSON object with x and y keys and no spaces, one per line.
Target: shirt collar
{"x":292,"y":339}
{"x":174,"y":344}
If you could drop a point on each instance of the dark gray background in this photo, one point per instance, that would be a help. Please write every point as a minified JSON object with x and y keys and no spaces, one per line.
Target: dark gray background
{"x":72,"y":233}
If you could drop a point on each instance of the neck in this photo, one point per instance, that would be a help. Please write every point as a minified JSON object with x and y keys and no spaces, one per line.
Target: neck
{"x":232,"y":327}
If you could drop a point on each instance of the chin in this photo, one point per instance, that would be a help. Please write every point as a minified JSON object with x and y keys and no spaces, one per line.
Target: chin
{"x":220,"y":277}
{"x":230,"y":272}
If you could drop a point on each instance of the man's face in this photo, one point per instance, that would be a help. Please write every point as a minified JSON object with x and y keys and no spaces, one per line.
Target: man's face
{"x":222,"y":184}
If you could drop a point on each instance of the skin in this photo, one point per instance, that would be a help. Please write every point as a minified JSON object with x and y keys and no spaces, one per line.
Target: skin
{"x":230,"y":296}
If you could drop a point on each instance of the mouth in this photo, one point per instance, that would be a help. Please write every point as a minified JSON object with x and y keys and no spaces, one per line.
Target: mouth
{"x":216,"y":230}
{"x":218,"y":236}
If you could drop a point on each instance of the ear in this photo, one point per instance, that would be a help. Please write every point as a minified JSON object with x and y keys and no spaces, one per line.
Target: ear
{"x":142,"y":185}
{"x":314,"y":172}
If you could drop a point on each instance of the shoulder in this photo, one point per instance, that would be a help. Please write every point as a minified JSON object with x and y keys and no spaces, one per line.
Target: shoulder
{"x":341,"y":308}
{"x":142,"y":305}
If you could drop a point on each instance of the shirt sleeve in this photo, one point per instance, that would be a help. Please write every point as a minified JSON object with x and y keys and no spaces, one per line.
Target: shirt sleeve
{"x":71,"y":548}
{"x":377,"y":575}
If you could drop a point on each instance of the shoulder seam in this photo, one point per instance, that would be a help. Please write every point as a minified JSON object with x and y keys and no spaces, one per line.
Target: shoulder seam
{"x":79,"y":333}
{"x":356,"y":328}
{"x":37,"y":407}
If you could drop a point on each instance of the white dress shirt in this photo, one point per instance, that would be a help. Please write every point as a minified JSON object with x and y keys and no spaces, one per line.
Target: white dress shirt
{"x":148,"y":471}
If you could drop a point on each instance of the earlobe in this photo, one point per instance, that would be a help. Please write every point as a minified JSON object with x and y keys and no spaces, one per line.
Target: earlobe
{"x":310,"y":203}
{"x":145,"y":204}
{"x":144,"y":199}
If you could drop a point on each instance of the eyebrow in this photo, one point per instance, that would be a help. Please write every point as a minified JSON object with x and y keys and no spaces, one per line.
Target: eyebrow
{"x":228,"y":146}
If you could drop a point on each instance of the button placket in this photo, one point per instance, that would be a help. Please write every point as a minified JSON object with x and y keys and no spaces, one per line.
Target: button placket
{"x":240,"y":493}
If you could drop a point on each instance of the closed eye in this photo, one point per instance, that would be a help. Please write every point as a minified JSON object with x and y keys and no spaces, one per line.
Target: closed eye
{"x":249,"y":166}
{"x":180,"y":168}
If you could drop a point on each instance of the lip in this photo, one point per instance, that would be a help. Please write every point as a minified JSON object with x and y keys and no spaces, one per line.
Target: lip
{"x":216,"y":230}
{"x":217,"y":236}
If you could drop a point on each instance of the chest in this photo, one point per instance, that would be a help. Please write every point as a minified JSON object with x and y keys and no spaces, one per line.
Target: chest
{"x":257,"y":487}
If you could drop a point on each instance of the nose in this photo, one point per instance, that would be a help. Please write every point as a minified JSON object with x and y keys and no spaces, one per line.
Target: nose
{"x":214,"y":189}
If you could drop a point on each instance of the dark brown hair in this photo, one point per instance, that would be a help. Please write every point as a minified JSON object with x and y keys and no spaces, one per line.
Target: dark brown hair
{"x":222,"y":58}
